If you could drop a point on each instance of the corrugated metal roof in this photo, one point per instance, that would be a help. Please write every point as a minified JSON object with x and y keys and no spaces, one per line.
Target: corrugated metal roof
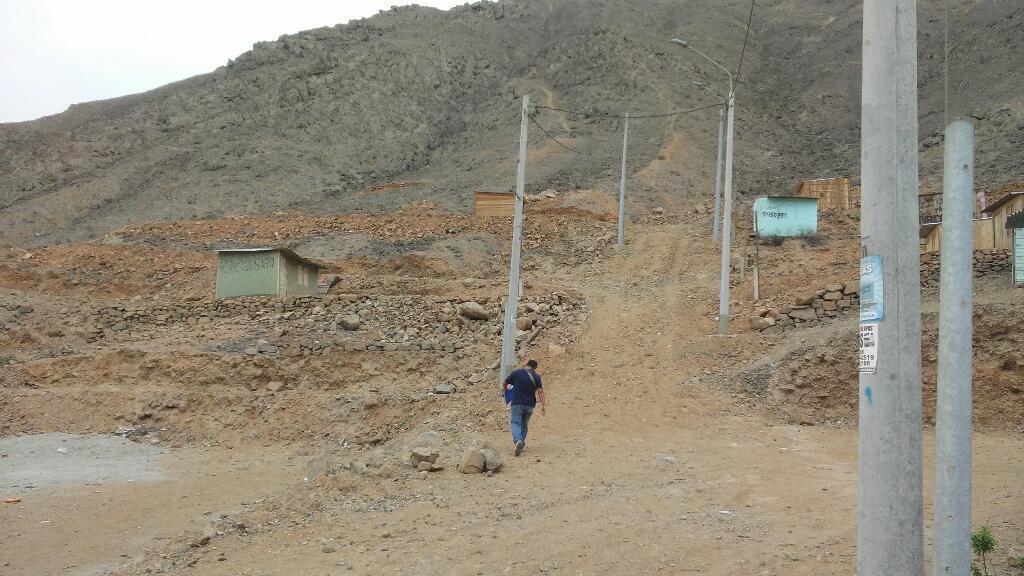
{"x":282,"y":249}
{"x":1015,"y":220}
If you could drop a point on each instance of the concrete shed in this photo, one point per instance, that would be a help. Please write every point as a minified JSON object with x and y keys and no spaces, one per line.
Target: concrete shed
{"x":784,"y":216}
{"x":277,"y":272}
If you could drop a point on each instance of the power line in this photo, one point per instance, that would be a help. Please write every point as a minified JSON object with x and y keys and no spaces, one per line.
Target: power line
{"x":631,"y":117}
{"x":549,"y":135}
{"x":750,"y":18}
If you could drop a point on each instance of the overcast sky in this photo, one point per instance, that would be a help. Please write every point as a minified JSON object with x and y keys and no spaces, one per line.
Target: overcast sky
{"x":54,"y":53}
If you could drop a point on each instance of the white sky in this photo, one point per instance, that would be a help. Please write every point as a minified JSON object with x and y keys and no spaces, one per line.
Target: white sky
{"x":54,"y":53}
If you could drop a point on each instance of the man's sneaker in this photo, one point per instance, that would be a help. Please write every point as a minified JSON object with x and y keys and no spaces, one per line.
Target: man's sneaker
{"x":519,"y":447}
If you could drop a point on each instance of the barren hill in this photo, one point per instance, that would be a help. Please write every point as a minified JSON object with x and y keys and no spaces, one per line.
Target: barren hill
{"x":319,"y":120}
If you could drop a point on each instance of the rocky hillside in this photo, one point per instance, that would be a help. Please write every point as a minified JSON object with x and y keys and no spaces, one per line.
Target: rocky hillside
{"x":322,"y":120}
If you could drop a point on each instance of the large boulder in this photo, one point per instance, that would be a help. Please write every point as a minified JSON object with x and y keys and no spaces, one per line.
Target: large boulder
{"x":474,"y":311}
{"x":492,"y":459}
{"x":473,"y":461}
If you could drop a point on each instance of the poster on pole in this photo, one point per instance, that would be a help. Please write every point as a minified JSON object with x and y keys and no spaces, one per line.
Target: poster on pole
{"x":871,"y":304}
{"x":868,"y":360}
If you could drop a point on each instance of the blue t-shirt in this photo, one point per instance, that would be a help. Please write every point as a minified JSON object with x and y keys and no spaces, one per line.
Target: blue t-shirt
{"x":521,"y":389}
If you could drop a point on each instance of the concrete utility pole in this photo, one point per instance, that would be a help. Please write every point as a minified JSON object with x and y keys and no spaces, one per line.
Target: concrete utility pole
{"x":508,"y":334}
{"x":890,"y":503}
{"x":952,"y":525}
{"x":718,"y":176}
{"x":723,"y":296}
{"x":622,"y":185}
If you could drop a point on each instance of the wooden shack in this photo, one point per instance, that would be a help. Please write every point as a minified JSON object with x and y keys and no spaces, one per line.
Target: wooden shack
{"x":494,"y":203}
{"x":832,"y":193}
{"x":999,"y":211}
{"x":984,"y":235}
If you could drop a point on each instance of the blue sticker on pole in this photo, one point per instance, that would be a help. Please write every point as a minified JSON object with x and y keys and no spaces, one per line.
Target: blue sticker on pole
{"x":871,"y":309}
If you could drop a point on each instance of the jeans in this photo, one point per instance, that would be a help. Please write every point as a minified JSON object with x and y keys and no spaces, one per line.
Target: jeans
{"x":519,"y":421}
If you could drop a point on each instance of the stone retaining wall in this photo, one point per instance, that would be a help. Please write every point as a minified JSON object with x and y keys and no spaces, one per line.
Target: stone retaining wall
{"x":808,"y":310}
{"x":986,"y":262}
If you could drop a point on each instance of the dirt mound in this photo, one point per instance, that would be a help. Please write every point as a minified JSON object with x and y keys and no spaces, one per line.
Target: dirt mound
{"x":817,"y":384}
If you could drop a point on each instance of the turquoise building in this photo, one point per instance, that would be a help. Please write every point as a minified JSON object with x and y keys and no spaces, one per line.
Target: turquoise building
{"x":785,"y":216}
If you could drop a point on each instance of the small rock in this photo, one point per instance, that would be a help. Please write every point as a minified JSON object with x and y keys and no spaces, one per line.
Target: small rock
{"x":276,"y":386}
{"x":422,"y":454}
{"x":350,"y":322}
{"x":444,"y":388}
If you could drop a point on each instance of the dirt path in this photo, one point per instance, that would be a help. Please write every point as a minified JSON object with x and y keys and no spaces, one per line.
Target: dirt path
{"x":632,"y":471}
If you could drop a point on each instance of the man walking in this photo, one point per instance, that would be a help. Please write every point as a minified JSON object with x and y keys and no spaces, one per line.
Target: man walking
{"x":521,"y":390}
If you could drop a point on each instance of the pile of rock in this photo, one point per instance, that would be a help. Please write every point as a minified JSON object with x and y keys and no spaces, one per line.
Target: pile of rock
{"x":807,"y":310}
{"x":318,"y":325}
{"x":424,"y":452}
{"x":11,"y":314}
{"x":479,"y":458}
{"x":986,"y":262}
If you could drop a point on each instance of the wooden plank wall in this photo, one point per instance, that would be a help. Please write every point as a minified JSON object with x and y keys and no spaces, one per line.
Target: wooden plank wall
{"x":832,"y":193}
{"x":494,"y":204}
{"x":986,"y":236}
{"x":1002,"y":235}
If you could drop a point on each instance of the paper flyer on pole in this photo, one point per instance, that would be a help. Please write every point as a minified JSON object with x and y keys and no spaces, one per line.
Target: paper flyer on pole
{"x":871,"y":305}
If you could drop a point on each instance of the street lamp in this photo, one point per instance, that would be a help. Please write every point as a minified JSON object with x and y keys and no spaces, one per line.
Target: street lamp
{"x":723,"y":296}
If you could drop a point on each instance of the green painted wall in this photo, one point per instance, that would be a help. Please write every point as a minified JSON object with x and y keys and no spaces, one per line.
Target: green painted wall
{"x":786,"y":216}
{"x":298,"y":279}
{"x":1017,"y":255}
{"x":248,"y":274}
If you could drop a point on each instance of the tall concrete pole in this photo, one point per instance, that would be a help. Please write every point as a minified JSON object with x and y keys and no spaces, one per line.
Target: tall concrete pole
{"x":622,"y":185}
{"x":718,"y":177}
{"x":723,"y":295}
{"x":952,"y":525}
{"x":508,"y":334}
{"x":890,"y":505}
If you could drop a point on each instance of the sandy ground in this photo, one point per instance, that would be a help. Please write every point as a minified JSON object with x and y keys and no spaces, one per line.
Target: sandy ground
{"x":122,"y":500}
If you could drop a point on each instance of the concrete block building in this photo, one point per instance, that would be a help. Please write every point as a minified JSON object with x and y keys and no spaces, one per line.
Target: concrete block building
{"x":277,"y":272}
